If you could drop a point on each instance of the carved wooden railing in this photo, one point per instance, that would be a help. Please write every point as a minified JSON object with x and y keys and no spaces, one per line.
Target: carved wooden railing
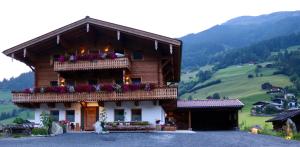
{"x":155,"y":94}
{"x":91,"y":65}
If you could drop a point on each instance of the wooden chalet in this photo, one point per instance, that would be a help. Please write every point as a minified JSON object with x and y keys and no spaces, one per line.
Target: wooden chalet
{"x":91,"y":65}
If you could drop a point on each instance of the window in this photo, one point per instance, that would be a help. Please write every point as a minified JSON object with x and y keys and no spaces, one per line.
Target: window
{"x":136,"y":80}
{"x":92,"y":82}
{"x":70,"y":83}
{"x":53,"y":83}
{"x":136,"y":115}
{"x":70,"y":115}
{"x":119,"y":115}
{"x":137,"y":55}
{"x":55,"y":115}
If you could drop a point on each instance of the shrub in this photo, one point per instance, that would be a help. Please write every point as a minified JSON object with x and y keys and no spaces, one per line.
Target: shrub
{"x":296,"y":136}
{"x":216,"y":96}
{"x":250,"y":76}
{"x":19,"y":120}
{"x":39,"y":131}
{"x":271,"y":109}
{"x":266,"y":86}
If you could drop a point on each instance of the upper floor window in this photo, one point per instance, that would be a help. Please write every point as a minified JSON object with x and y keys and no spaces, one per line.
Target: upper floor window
{"x":53,"y":83}
{"x":136,"y":80}
{"x":137,"y":55}
{"x":92,"y":82}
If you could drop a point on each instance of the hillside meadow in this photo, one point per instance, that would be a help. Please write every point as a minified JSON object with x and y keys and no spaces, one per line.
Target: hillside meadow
{"x":236,"y":84}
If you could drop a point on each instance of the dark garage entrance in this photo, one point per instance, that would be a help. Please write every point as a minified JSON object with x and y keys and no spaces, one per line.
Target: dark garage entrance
{"x":214,"y":119}
{"x":201,"y":115}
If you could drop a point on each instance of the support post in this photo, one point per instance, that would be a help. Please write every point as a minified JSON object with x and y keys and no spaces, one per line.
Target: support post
{"x":190,"y":120}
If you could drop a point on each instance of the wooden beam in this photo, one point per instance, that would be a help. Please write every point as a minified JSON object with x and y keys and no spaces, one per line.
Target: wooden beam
{"x":166,"y":63}
{"x":57,"y":39}
{"x":101,"y":104}
{"x":87,"y":27}
{"x":67,"y":105}
{"x":12,"y":57}
{"x":171,"y":49}
{"x":51,"y":105}
{"x":24,"y":52}
{"x":118,"y":35}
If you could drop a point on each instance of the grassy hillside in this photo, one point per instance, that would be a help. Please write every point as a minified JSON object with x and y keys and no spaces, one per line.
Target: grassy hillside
{"x":236,"y":84}
{"x":8,"y":107}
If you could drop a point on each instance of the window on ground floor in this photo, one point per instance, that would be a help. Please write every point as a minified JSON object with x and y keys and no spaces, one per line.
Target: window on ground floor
{"x":54,"y":115}
{"x":136,"y":115}
{"x":119,"y":115}
{"x":70,"y":115}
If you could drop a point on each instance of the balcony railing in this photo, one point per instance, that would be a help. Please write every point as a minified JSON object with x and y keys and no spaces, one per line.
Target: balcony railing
{"x":92,"y":65}
{"x":155,"y":94}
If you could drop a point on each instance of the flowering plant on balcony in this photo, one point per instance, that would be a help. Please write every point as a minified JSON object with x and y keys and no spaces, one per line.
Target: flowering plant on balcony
{"x":107,"y":88}
{"x":125,"y":87}
{"x":61,"y":59}
{"x":111,"y":55}
{"x":87,"y":57}
{"x":85,"y":88}
{"x":91,"y":88}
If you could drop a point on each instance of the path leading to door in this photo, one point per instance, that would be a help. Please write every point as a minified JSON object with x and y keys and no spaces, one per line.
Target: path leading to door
{"x":222,"y":138}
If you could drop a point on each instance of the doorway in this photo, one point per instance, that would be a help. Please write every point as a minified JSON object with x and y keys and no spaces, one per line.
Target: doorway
{"x":90,"y":118}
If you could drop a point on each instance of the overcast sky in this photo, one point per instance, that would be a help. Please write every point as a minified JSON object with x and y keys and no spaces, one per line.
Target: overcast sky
{"x":22,"y":20}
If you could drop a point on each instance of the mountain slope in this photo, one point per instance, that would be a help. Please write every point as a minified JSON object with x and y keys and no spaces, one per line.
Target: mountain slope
{"x":236,"y":33}
{"x":21,"y":82}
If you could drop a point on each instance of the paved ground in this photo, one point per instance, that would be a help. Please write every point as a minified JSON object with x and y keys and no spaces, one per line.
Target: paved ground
{"x":219,"y":139}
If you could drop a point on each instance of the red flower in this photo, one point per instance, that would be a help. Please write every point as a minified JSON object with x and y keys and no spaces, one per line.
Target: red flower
{"x":107,"y":88}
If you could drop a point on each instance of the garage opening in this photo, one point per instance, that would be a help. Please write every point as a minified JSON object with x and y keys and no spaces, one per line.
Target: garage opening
{"x":213,"y":120}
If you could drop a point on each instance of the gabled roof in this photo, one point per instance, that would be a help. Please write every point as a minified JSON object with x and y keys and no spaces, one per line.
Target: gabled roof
{"x":88,"y":20}
{"x":211,"y":103}
{"x":284,"y":116}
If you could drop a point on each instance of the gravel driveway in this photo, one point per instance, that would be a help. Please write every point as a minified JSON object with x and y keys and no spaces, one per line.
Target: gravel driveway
{"x":219,"y":139}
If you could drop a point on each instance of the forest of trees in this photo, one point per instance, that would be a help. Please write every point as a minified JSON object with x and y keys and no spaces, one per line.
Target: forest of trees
{"x":21,"y":82}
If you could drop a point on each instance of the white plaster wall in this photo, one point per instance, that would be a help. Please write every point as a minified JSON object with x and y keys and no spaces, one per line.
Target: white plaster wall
{"x":62,"y":112}
{"x":150,"y":112}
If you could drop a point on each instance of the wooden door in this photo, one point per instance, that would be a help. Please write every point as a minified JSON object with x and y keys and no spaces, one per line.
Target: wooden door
{"x":90,"y":118}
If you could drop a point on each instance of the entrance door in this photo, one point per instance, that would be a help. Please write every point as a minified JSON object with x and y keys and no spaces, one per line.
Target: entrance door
{"x":90,"y":118}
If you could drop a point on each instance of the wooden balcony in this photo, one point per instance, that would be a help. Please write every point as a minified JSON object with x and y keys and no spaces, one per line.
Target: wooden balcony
{"x":118,"y":63}
{"x":155,"y":94}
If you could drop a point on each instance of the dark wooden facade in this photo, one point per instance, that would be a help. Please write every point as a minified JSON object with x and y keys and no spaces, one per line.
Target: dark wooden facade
{"x":160,"y":62}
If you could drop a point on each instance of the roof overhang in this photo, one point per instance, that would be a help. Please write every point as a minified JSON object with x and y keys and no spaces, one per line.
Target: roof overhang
{"x":209,"y":104}
{"x":177,"y":44}
{"x":101,"y":23}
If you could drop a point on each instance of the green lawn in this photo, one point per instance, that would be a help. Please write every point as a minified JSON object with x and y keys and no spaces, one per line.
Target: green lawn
{"x":8,"y":107}
{"x":236,"y":84}
{"x":5,"y":95}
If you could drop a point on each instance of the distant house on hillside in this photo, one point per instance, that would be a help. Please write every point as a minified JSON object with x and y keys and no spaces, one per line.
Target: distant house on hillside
{"x":280,"y":120}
